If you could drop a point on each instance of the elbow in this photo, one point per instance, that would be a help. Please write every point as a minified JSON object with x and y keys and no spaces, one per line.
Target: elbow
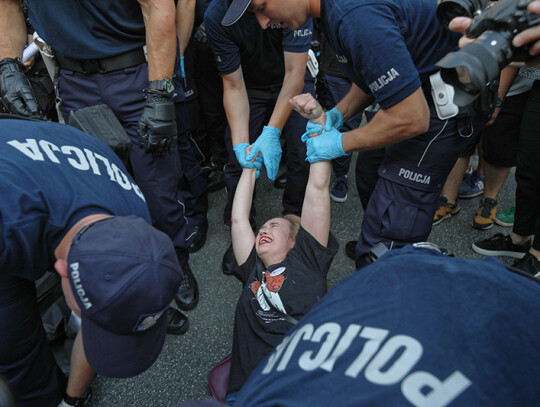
{"x":418,"y":123}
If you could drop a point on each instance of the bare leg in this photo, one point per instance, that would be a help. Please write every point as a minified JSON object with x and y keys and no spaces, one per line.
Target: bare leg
{"x":495,"y":177}
{"x":80,"y":374}
{"x":455,"y":178}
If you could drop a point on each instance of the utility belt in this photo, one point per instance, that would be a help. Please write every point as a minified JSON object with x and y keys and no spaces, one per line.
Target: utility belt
{"x":103,"y":65}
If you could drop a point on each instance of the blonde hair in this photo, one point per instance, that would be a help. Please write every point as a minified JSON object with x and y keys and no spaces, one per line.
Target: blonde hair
{"x":294,"y":221}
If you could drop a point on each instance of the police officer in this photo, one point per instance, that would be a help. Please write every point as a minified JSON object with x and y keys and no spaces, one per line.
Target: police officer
{"x":99,"y":50}
{"x":68,"y":201}
{"x":261,"y":71}
{"x":388,"y":49}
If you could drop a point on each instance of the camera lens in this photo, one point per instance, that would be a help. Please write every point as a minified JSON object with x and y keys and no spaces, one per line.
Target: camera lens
{"x":449,"y":9}
{"x":472,"y":68}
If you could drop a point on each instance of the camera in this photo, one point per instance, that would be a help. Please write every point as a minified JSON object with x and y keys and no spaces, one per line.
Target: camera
{"x":449,"y":9}
{"x":474,"y":67}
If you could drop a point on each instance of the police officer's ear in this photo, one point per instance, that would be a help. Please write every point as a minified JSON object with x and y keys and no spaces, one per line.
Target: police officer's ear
{"x":61,"y":267}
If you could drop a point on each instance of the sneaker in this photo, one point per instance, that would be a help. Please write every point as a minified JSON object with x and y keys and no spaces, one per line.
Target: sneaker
{"x":529,"y":264}
{"x":445,"y":210}
{"x":485,"y":215}
{"x":501,"y":245}
{"x":339,"y":188}
{"x":472,"y":186}
{"x":506,"y":218}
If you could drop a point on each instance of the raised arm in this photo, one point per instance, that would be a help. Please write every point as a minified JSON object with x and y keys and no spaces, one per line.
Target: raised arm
{"x":242,"y":235}
{"x":316,"y":207}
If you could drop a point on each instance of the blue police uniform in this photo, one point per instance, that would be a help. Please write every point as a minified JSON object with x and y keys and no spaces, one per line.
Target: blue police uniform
{"x":194,"y":182}
{"x":86,"y":33}
{"x":415,"y":328}
{"x":388,"y":48}
{"x":260,"y":53}
{"x":51,"y":176}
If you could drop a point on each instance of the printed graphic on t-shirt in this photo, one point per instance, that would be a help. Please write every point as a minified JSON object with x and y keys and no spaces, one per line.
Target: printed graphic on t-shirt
{"x":269,"y":290}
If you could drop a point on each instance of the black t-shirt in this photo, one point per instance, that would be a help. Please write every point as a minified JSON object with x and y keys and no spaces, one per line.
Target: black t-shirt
{"x":293,"y":286}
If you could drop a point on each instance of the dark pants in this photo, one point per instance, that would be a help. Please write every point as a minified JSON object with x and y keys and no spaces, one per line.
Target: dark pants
{"x":261,"y":103}
{"x":411,"y":177}
{"x":158,"y":178}
{"x":527,"y":219}
{"x":337,"y":88}
{"x":26,"y":361}
{"x":193,"y":181}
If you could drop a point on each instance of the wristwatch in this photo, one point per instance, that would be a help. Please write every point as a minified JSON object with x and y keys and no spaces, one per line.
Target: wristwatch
{"x":163,"y":85}
{"x":499,"y":102}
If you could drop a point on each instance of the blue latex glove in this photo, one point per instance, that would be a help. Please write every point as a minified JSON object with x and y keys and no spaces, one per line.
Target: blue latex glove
{"x":240,"y":151}
{"x":268,"y":145}
{"x":334,"y":119}
{"x":311,"y":128}
{"x":182,"y":67}
{"x":327,"y":146}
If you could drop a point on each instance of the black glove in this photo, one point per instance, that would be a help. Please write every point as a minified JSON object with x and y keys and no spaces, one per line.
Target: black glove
{"x":17,"y":93}
{"x":157,"y":125}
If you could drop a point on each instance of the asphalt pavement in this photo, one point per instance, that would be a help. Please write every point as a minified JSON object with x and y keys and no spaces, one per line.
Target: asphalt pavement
{"x":180,"y":373}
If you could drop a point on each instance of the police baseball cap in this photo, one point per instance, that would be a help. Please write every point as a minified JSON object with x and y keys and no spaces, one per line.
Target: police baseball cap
{"x":235,"y":11}
{"x":124,"y":274}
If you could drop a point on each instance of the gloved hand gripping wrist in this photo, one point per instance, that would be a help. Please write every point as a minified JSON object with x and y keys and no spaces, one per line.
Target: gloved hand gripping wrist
{"x":269,"y":146}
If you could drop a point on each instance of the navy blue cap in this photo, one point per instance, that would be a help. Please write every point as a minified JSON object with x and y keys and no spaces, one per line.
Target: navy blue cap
{"x":124,"y":274}
{"x":235,"y":11}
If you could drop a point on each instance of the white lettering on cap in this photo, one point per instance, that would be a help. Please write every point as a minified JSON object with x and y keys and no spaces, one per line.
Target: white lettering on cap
{"x":76,"y":278}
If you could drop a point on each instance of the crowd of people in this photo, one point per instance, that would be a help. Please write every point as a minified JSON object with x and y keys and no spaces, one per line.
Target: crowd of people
{"x":213,"y":93}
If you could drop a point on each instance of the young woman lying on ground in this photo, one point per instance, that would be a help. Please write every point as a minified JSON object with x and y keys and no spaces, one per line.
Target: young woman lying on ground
{"x":283,"y":268}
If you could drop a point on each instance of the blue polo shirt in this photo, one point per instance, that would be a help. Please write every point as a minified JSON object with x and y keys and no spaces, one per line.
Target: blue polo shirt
{"x":88,"y":29}
{"x":258,"y":51}
{"x":415,"y":328}
{"x":51,"y":176}
{"x":386,"y":46}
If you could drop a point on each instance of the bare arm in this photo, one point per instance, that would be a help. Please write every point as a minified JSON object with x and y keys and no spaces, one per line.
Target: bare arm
{"x":236,"y":103}
{"x":80,"y":373}
{"x":316,"y":207}
{"x":404,"y":120}
{"x":293,"y":83}
{"x":185,"y":15}
{"x":159,"y":20}
{"x":508,"y":75}
{"x":12,"y":29}
{"x":242,"y":235}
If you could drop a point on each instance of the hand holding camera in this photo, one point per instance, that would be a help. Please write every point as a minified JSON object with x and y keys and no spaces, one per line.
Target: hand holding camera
{"x":496,"y":28}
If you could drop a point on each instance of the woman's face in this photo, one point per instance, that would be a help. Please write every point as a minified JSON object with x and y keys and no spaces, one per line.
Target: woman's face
{"x":274,"y":238}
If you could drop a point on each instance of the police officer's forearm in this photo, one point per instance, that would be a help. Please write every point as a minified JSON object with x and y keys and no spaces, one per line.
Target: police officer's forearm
{"x":12,"y":29}
{"x":80,"y":373}
{"x":236,"y":104}
{"x":159,"y":20}
{"x":353,"y":102}
{"x":185,"y":15}
{"x":404,"y":120}
{"x":293,"y":83}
